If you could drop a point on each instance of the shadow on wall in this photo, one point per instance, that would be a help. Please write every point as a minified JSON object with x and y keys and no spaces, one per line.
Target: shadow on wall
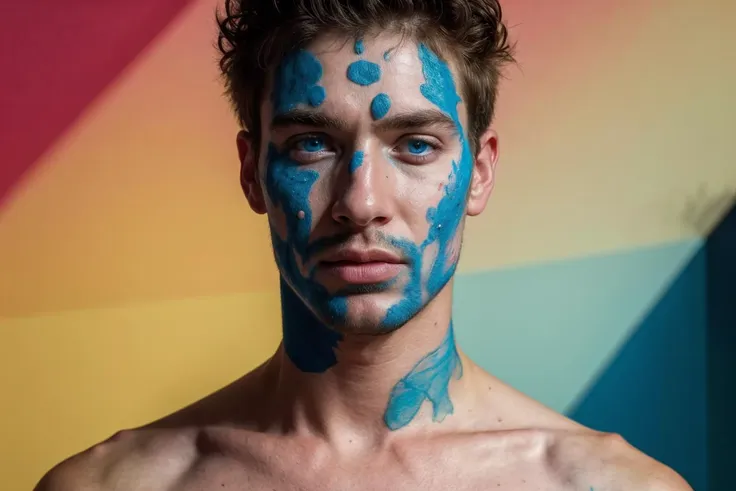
{"x":672,"y":386}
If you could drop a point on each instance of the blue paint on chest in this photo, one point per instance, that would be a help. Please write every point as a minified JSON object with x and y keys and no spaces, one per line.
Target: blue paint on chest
{"x":359,"y":47}
{"x":364,"y":72}
{"x":295,"y":82}
{"x":356,"y":161}
{"x":429,"y":380}
{"x":380,"y":106}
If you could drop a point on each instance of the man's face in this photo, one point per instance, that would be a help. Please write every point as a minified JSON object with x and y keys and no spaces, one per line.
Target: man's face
{"x":365,"y":171}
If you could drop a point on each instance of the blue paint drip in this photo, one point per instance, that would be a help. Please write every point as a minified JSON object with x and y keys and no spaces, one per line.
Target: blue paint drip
{"x":429,"y":380}
{"x":356,"y":161}
{"x":364,"y":72}
{"x":295,"y":82}
{"x":380,"y":106}
{"x":359,"y":47}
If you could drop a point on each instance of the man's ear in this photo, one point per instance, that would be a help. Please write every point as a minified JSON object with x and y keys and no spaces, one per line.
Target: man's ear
{"x":484,"y":172}
{"x":249,"y":181}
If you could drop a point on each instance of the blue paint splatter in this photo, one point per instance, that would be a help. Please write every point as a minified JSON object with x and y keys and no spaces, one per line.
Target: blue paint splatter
{"x":387,"y":55}
{"x":429,"y":380}
{"x":364,"y":72}
{"x":295,"y":82}
{"x":359,"y":47}
{"x":356,"y":161}
{"x":380,"y":106}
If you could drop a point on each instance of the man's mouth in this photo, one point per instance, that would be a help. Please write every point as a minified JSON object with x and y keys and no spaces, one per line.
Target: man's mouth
{"x":360,"y":267}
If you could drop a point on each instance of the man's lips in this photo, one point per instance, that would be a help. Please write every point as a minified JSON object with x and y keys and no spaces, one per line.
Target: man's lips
{"x":362,"y":266}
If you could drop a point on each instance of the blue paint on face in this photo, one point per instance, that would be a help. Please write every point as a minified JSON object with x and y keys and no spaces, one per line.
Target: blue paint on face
{"x":356,"y":161}
{"x":295,"y":82}
{"x":444,"y":219}
{"x":309,"y":343}
{"x":364,"y":72}
{"x":429,"y":380}
{"x":359,"y":47}
{"x":380,"y":106}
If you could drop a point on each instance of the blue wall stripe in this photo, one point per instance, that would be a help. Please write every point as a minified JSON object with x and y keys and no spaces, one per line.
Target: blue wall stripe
{"x":550,"y":329}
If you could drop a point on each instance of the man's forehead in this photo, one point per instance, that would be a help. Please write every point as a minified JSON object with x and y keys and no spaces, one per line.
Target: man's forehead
{"x":345,"y":78}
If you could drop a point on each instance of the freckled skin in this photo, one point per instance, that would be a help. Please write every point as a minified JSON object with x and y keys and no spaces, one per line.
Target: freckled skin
{"x":368,"y":389}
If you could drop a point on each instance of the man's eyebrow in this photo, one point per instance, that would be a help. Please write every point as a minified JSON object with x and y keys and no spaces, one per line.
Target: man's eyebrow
{"x":302,"y":117}
{"x":416,"y":119}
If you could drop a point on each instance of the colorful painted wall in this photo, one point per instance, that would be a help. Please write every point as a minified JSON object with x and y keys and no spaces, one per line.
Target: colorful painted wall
{"x":134,"y":279}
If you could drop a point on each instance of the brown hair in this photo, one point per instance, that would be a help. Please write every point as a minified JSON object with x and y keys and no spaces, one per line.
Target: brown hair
{"x":254,"y":36}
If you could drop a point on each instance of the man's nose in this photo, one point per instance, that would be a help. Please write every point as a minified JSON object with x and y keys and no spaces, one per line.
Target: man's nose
{"x":363,"y":194}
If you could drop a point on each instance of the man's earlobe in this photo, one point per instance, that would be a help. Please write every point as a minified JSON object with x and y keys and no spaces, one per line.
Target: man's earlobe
{"x":484,"y":173}
{"x":249,"y":181}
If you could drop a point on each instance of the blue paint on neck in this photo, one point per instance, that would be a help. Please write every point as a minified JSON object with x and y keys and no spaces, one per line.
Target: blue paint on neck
{"x":380,"y":106}
{"x":359,"y":47}
{"x":308,"y":343}
{"x":364,"y":72}
{"x":387,"y":55}
{"x":295,"y":82}
{"x":356,"y":161}
{"x":429,"y":380}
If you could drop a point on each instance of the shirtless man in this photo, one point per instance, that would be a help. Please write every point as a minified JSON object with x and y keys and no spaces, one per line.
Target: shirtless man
{"x":368,"y":142}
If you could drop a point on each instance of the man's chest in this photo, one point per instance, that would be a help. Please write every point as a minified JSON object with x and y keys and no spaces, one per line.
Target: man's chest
{"x":431,"y":475}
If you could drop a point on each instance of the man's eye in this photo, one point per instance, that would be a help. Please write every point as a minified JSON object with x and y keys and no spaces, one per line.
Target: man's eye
{"x":311,"y":144}
{"x":418,"y":147}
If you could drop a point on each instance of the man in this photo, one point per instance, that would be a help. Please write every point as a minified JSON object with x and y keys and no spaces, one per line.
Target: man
{"x":368,"y":141}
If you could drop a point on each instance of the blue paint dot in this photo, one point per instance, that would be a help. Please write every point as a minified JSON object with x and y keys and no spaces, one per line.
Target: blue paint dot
{"x":387,"y":55}
{"x":316,"y":96}
{"x":364,"y":72}
{"x":429,"y":380}
{"x":295,"y":82}
{"x":380,"y":106}
{"x":359,"y":47}
{"x":356,"y":161}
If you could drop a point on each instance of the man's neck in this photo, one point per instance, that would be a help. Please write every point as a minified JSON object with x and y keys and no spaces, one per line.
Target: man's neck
{"x":358,"y":388}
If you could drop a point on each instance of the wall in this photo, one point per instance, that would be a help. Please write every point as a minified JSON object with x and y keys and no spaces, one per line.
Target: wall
{"x":133,"y":278}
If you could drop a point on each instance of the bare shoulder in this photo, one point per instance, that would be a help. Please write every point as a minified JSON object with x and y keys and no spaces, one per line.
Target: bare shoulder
{"x":607,"y":462}
{"x":131,"y":460}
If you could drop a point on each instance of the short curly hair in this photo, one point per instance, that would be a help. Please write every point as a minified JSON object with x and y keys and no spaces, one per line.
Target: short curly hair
{"x":255,"y":34}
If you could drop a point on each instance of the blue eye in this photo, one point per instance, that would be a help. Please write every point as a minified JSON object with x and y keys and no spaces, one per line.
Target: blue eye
{"x":312,"y":144}
{"x":418,"y":147}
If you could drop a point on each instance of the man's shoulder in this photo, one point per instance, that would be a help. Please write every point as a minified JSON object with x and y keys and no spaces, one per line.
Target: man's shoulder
{"x":131,"y":459}
{"x":607,"y":462}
